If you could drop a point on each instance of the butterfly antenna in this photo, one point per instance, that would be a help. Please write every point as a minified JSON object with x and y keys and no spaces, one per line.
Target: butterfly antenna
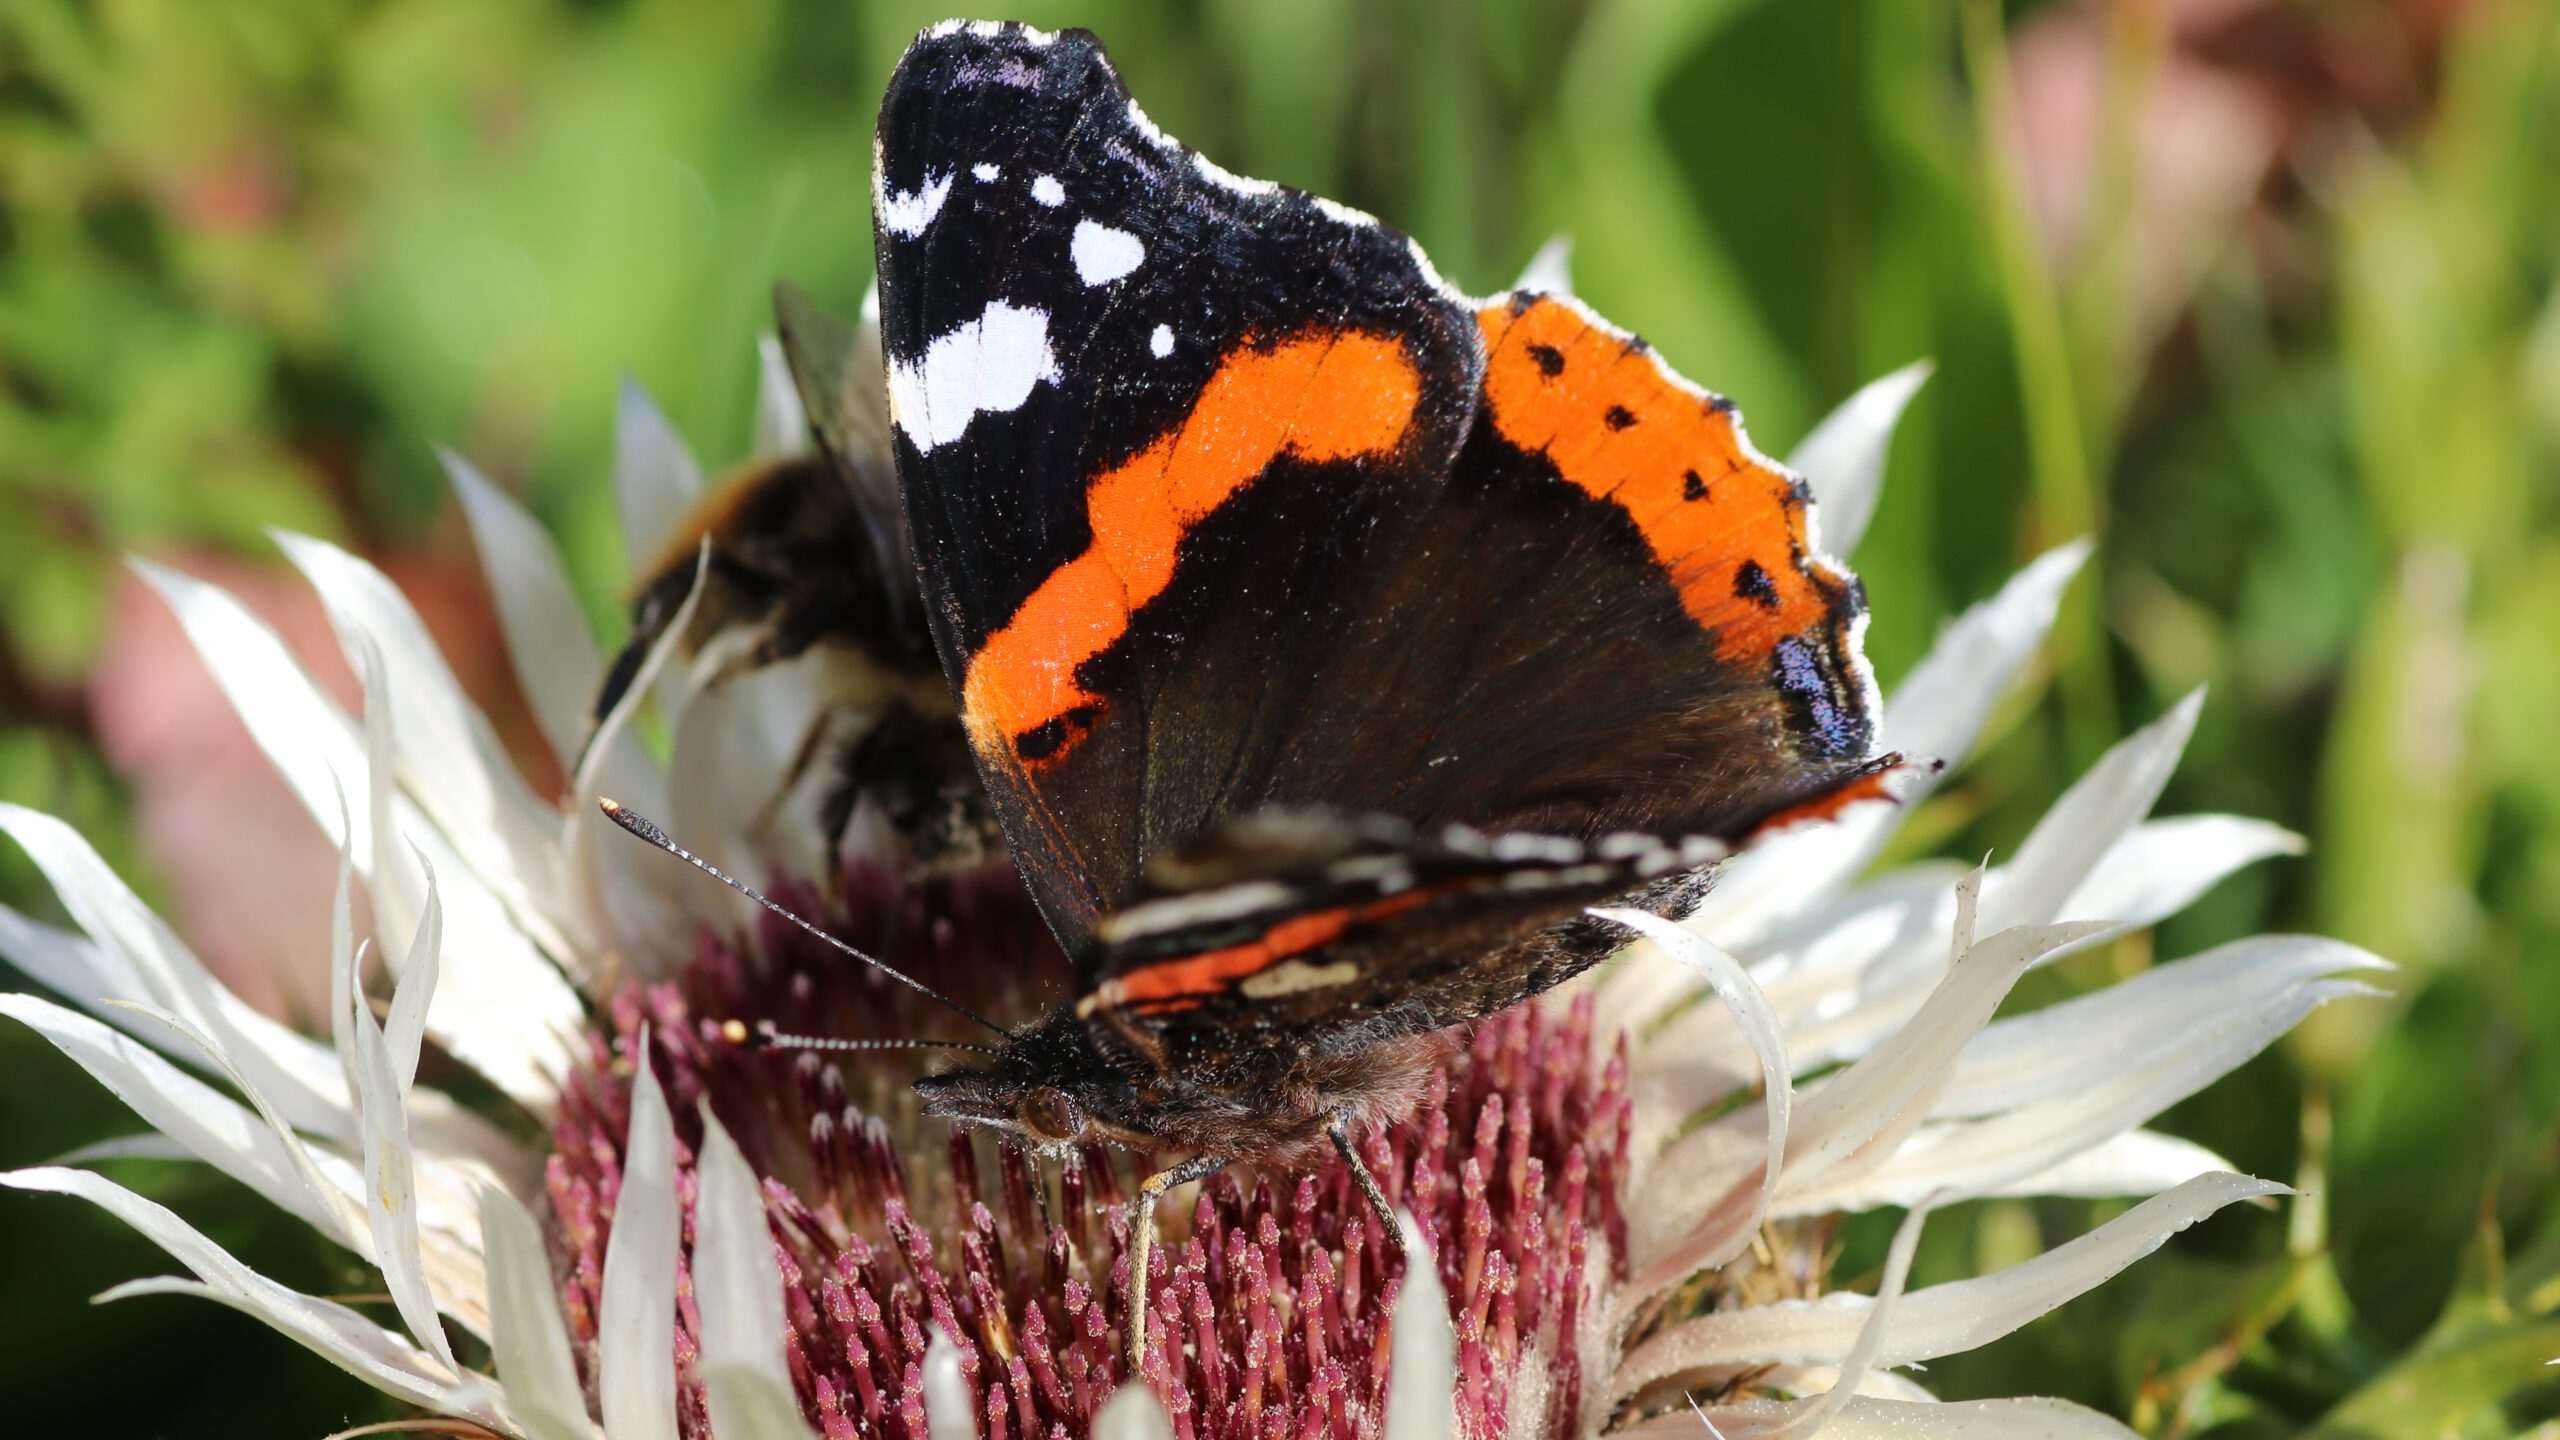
{"x":640,"y":826}
{"x":762,"y":1036}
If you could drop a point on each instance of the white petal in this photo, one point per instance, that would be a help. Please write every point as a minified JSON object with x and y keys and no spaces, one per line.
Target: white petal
{"x":329,"y":1188}
{"x":1857,"y":1116}
{"x":2100,"y":809}
{"x":1809,"y":1380}
{"x":2024,"y":1059}
{"x":133,"y":954}
{"x":1854,"y":971}
{"x":2000,"y":1153}
{"x":397,"y":887}
{"x":1422,"y":1363}
{"x":1855,"y":1119}
{"x":1812,"y":970}
{"x":1550,"y":271}
{"x":1759,"y":1027}
{"x":1940,"y":707}
{"x":1134,"y":1413}
{"x":1882,"y":1313}
{"x":209,"y":1124}
{"x":391,"y":1191}
{"x":636,"y":1329}
{"x":744,"y":1373}
{"x":2137,"y":1162}
{"x":734,"y":748}
{"x":502,"y":1009}
{"x":624,"y":882}
{"x":556,"y":661}
{"x":1843,"y":459}
{"x":781,"y":426}
{"x":2031,"y":1418}
{"x":343,"y":943}
{"x":148,"y":1145}
{"x":948,"y":1411}
{"x":751,"y":1405}
{"x":1942,"y":1319}
{"x":406,"y":1029}
{"x":526,"y":1334}
{"x":450,"y":759}
{"x":655,"y":478}
{"x":70,"y":965}
{"x":336,"y":1333}
{"x":2164,"y":865}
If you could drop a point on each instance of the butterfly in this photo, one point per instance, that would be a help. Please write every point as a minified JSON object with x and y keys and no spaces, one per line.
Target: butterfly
{"x":1328,"y":642}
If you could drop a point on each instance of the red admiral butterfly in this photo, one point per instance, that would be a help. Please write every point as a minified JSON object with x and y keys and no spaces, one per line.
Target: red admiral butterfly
{"x":1327,"y":641}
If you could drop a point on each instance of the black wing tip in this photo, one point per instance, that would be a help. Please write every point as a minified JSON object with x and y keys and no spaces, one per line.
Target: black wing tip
{"x":992,"y":61}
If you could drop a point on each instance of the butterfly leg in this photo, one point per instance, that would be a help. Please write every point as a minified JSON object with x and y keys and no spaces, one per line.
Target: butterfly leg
{"x":1198,"y":1167}
{"x":1368,"y":1183}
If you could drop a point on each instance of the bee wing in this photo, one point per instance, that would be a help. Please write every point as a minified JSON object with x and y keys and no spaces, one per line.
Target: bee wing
{"x":839,"y":373}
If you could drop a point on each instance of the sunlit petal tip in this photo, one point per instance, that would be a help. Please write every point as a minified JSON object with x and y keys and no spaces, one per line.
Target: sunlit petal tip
{"x":636,"y":1326}
{"x":1133,"y":1413}
{"x":527,"y":1337}
{"x":734,"y":1279}
{"x":554,"y":654}
{"x":1423,"y":1361}
{"x":948,"y":1413}
{"x":655,"y":477}
{"x":1550,"y":271}
{"x":1940,"y":707}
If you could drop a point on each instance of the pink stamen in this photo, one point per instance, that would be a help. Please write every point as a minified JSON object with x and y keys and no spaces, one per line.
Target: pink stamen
{"x":1271,"y":1302}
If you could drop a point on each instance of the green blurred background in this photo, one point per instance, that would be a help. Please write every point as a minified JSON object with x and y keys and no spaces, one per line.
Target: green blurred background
{"x":2261,"y":292}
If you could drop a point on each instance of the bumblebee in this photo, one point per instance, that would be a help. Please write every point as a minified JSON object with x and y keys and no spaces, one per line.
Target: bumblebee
{"x":806,"y":556}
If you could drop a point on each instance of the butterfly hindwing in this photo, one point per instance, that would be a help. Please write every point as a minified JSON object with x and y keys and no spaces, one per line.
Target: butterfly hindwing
{"x":1327,"y":929}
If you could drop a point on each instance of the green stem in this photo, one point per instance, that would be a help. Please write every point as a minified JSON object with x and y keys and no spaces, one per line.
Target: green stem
{"x":2057,"y":442}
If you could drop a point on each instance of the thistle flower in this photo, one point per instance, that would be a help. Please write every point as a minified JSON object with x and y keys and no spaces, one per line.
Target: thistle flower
{"x":712,"y":1238}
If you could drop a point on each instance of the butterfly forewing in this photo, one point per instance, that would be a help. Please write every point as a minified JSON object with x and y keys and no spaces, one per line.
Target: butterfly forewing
{"x":1226,"y":506}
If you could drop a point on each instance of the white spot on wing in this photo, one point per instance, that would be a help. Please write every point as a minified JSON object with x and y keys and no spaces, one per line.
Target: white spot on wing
{"x":1292,"y":976}
{"x":1103,"y":254}
{"x":1161,"y":342}
{"x":907,"y":212}
{"x":1227,"y":902}
{"x":984,"y":367}
{"x":1047,"y":190}
{"x":985,"y":171}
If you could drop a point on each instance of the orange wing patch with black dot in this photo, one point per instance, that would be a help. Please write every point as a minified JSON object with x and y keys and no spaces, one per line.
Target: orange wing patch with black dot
{"x":1318,"y":396}
{"x":1726,"y":527}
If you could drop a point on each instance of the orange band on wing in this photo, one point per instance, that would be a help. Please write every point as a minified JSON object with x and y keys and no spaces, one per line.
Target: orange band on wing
{"x":1187,"y":982}
{"x":1728,"y":529}
{"x":1880,"y":779}
{"x":1320,"y":396}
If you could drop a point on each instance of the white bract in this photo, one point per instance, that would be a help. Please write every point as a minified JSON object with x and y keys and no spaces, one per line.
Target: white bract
{"x":493,"y":905}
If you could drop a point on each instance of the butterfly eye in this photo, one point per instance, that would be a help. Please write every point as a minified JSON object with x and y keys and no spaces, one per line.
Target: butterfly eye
{"x":1050,"y":1115}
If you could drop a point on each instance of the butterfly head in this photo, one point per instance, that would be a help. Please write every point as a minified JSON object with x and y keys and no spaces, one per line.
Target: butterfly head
{"x":1046,"y":1086}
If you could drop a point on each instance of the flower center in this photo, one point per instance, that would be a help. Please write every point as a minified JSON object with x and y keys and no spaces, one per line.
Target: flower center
{"x":1273,"y":1292}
